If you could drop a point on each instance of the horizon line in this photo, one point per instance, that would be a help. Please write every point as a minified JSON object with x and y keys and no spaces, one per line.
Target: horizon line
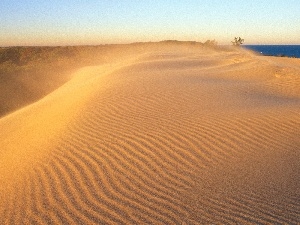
{"x":129,"y":43}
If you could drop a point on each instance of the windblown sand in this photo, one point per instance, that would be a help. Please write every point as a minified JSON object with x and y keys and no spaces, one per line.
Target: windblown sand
{"x":171,"y":135}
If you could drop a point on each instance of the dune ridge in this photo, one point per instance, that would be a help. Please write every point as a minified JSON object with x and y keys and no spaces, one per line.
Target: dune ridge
{"x":171,"y":135}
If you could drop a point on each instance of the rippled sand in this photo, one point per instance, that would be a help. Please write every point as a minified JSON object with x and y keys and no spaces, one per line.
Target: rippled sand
{"x":170,"y":135}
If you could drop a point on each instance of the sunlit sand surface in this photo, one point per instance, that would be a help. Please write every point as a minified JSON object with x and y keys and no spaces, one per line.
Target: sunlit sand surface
{"x":172,"y":134}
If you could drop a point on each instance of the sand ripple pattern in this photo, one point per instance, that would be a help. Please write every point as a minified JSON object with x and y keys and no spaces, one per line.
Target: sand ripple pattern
{"x":170,"y":139}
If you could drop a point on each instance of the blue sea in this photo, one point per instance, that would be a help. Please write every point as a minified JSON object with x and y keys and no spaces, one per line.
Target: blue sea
{"x":276,"y":50}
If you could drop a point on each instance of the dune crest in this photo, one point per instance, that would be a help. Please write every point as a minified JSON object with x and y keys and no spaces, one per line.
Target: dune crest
{"x":170,"y":135}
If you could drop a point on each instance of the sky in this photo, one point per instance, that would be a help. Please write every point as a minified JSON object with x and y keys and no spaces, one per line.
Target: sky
{"x":81,"y":22}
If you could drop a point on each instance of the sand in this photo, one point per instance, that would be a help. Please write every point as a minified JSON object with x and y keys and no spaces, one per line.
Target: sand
{"x":170,"y":135}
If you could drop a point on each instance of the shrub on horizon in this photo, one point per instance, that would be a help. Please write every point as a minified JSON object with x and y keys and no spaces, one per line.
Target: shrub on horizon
{"x":237,"y":41}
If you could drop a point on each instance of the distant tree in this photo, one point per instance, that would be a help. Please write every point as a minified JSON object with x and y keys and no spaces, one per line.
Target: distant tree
{"x":237,"y":41}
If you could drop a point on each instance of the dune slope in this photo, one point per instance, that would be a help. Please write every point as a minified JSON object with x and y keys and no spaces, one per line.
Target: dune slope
{"x":183,"y":135}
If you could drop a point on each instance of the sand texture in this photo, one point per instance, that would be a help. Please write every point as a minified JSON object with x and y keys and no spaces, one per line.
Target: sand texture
{"x":173,"y":134}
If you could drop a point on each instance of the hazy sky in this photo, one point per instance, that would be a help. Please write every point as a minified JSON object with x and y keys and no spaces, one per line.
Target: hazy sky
{"x":68,"y":22}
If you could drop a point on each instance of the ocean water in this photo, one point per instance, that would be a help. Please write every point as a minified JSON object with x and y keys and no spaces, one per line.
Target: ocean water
{"x":276,"y":50}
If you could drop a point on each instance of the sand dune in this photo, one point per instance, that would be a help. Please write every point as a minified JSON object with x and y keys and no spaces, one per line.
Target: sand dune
{"x":170,"y":135}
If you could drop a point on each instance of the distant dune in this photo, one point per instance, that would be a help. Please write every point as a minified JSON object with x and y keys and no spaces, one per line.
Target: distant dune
{"x":152,"y":133}
{"x":30,"y":73}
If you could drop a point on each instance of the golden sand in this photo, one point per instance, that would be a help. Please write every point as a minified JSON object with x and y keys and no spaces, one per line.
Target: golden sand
{"x":168,"y":135}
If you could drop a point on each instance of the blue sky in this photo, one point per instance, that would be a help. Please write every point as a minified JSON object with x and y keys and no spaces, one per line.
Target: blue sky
{"x":68,"y":22}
